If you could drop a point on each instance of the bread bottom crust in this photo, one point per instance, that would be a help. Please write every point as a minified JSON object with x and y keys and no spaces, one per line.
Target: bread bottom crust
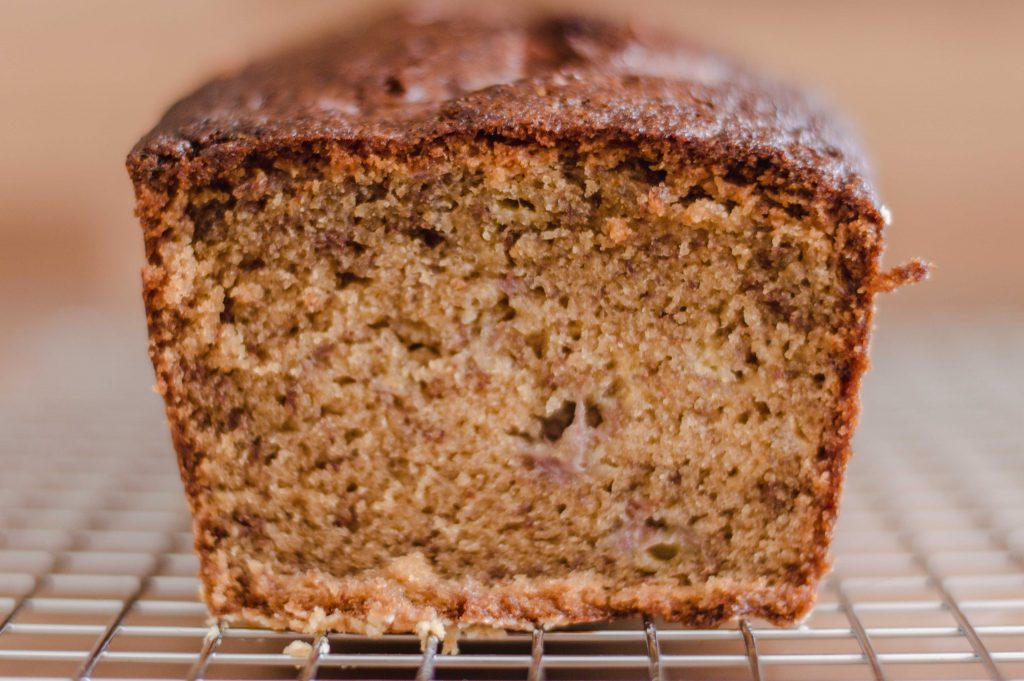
{"x":406,"y":599}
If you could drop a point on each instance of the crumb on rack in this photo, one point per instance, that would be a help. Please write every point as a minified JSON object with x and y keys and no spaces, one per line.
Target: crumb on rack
{"x":298,"y":649}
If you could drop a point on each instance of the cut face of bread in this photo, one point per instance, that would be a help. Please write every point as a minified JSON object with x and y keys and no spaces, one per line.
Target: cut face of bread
{"x":508,"y":384}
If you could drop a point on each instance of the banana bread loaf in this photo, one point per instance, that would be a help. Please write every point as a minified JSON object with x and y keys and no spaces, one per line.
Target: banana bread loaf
{"x":512,"y":324}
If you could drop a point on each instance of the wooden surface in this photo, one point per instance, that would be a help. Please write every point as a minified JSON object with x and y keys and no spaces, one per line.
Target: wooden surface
{"x":937,"y":89}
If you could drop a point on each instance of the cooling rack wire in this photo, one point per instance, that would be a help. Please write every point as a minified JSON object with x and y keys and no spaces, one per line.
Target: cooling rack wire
{"x":97,"y":578}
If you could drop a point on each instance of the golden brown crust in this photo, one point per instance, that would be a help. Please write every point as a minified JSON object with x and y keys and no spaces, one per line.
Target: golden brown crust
{"x":400,"y":85}
{"x":545,"y":83}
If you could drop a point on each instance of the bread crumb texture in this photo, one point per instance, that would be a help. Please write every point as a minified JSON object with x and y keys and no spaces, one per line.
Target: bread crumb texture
{"x":503,"y":385}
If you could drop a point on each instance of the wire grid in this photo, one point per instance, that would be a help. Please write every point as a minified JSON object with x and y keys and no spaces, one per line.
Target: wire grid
{"x":97,"y":578}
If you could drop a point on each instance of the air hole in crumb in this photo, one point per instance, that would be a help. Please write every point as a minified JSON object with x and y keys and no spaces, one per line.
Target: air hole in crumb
{"x":739,"y":175}
{"x":538,"y":342}
{"x":663,"y":551}
{"x":697,"y":192}
{"x":743,"y":418}
{"x":422,"y":352}
{"x":560,"y":508}
{"x":515,"y":432}
{"x":353,"y":434}
{"x":594,"y":417}
{"x":248,"y":265}
{"x":516,"y":203}
{"x":394,"y":86}
{"x":235,"y":418}
{"x":342,"y":381}
{"x":796,"y":211}
{"x":656,"y":176}
{"x":819,"y":379}
{"x":431,"y":238}
{"x":733,"y":472}
{"x":655,"y":523}
{"x":379,"y":324}
{"x":553,"y":426}
{"x":762,"y":408}
{"x":752,"y":359}
{"x":505,"y":310}
{"x":575,"y":329}
{"x":345,"y":279}
{"x":641,"y":171}
{"x":563,"y":301}
{"x":227,"y":315}
{"x":351,"y":487}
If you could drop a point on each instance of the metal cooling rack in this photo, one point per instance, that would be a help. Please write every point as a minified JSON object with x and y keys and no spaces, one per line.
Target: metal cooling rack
{"x":97,"y":578}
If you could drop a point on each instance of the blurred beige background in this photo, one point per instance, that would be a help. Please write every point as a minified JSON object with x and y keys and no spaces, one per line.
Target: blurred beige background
{"x":936,"y":88}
